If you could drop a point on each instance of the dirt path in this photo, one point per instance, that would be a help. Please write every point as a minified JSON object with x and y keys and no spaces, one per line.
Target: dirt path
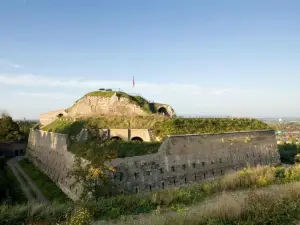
{"x":27,"y":186}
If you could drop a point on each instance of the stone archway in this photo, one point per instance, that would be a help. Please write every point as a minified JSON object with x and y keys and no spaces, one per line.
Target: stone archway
{"x":137,"y":139}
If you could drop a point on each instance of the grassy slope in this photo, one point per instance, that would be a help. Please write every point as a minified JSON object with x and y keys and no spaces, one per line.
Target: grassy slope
{"x":221,"y":201}
{"x":16,"y":192}
{"x":161,"y":127}
{"x":50,"y":190}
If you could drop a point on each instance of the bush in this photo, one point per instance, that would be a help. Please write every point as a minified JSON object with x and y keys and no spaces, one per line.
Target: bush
{"x":288,"y":152}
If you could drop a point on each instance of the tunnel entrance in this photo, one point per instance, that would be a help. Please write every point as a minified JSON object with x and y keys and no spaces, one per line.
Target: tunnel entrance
{"x":137,"y":139}
{"x":163,"y":111}
{"x":60,"y":115}
{"x":116,"y":138}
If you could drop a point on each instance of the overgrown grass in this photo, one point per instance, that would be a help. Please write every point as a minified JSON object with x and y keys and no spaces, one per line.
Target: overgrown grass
{"x":206,"y":125}
{"x":91,"y":150}
{"x":160,"y":125}
{"x":276,"y":205}
{"x":235,"y":206}
{"x":16,"y":192}
{"x":49,"y":189}
{"x":65,"y":126}
{"x":32,"y":193}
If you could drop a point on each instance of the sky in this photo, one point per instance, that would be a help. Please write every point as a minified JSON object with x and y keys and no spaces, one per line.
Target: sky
{"x":203,"y":57}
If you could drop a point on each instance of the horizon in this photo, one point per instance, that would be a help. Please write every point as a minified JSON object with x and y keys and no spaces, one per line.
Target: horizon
{"x":203,"y":58}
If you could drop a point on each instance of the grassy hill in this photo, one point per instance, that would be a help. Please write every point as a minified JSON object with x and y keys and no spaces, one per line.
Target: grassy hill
{"x":138,"y":100}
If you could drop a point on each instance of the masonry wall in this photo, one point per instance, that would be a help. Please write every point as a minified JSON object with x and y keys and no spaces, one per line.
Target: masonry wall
{"x":12,"y":148}
{"x":181,"y":159}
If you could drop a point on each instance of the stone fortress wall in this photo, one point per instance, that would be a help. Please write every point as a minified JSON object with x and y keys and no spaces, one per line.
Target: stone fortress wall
{"x":181,"y":159}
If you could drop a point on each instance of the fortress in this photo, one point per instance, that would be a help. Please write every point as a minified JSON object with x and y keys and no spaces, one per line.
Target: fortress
{"x":181,"y":159}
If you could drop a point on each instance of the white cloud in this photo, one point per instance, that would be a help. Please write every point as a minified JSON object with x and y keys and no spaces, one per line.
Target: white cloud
{"x":79,"y":83}
{"x":49,"y":93}
{"x":8,"y":63}
{"x":53,"y":95}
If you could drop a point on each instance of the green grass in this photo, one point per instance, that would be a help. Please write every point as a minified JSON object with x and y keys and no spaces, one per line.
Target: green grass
{"x":91,"y":150}
{"x":274,"y":205}
{"x":65,"y":126}
{"x":161,"y":126}
{"x":32,"y":193}
{"x":243,"y":197}
{"x":49,"y":189}
{"x":16,"y":192}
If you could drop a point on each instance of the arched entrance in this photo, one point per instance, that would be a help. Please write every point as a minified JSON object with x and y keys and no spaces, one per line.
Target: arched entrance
{"x":116,"y":138}
{"x":163,"y":111}
{"x":16,"y":152}
{"x":60,"y":115}
{"x":137,"y":139}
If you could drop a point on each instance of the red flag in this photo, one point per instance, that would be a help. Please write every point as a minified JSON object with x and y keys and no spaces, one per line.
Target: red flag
{"x":133,"y":83}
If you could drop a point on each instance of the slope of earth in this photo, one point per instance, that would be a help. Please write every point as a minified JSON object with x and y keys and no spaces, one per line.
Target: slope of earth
{"x":111,"y":103}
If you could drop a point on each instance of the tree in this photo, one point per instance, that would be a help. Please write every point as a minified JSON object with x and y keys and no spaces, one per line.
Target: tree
{"x":93,"y":175}
{"x":9,"y":130}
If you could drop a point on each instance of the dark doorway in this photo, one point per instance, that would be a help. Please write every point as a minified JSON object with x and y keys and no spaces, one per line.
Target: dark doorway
{"x":60,"y":115}
{"x":163,"y":111}
{"x":116,"y":138}
{"x":16,"y":152}
{"x":137,"y":139}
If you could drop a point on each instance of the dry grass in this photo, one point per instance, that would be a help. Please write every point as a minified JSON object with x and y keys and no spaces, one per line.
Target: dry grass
{"x":241,"y":207}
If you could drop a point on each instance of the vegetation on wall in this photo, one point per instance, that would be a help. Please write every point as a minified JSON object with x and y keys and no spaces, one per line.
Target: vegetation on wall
{"x":206,"y":125}
{"x":160,"y":125}
{"x":273,"y":205}
{"x":92,"y":149}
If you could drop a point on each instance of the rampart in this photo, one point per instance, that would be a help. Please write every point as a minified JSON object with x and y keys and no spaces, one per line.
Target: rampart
{"x":180,"y":160}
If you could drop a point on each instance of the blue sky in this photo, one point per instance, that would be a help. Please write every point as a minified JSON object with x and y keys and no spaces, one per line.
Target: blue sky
{"x":216,"y":57}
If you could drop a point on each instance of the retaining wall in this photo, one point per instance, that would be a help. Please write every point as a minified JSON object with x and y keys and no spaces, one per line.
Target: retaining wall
{"x":180,"y":160}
